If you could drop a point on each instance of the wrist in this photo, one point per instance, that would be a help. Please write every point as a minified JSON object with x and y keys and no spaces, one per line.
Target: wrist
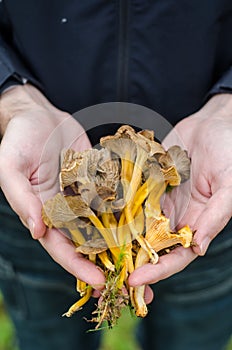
{"x":20,"y":98}
{"x":220,"y":105}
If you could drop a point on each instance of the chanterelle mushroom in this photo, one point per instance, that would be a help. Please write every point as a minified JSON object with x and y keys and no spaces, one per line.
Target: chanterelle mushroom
{"x":116,"y":192}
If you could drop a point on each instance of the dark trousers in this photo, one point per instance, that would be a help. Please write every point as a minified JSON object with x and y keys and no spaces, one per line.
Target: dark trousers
{"x":192,"y":310}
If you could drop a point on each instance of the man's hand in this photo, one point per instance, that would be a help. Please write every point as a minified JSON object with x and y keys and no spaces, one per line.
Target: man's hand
{"x":35,"y":132}
{"x":205,"y":202}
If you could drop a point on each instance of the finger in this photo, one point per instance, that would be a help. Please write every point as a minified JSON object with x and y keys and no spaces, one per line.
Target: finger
{"x":168,"y":265}
{"x":96,"y":293}
{"x":176,"y":204}
{"x":63,"y":252}
{"x":76,"y":138}
{"x":213,"y":219}
{"x":20,"y":195}
{"x":149,"y":295}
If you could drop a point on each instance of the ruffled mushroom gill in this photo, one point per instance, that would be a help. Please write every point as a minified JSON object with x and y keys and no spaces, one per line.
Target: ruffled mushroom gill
{"x":109,"y":205}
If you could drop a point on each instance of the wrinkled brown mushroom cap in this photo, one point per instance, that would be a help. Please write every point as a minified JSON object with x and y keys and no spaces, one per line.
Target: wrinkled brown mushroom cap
{"x":176,"y":163}
{"x":61,"y":212}
{"x":93,"y":246}
{"x":127,"y":139}
{"x":181,"y":160}
{"x":70,"y":161}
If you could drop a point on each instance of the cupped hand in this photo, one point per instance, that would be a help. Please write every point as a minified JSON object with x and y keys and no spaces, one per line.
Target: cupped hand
{"x":204,"y":202}
{"x":35,"y":132}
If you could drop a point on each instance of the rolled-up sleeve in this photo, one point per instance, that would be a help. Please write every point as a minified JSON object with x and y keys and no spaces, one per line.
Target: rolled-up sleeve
{"x":223,"y":85}
{"x":12,"y":68}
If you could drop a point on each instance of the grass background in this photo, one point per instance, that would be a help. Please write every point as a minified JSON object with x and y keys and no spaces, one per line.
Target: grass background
{"x":120,"y":337}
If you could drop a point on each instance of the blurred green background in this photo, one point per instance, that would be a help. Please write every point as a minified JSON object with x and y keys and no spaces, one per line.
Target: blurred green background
{"x":120,"y":337}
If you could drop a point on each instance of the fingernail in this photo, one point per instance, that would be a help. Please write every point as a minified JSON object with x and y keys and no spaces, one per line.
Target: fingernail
{"x":31,"y":226}
{"x":204,"y":245}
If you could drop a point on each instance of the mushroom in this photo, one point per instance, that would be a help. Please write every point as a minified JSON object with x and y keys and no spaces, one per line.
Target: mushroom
{"x":97,"y":246}
{"x":160,"y":236}
{"x":70,"y":161}
{"x":57,"y":213}
{"x":110,"y":203}
{"x":61,"y":212}
{"x":94,"y":246}
{"x":135,"y":148}
{"x":175,"y":165}
{"x":123,"y":146}
{"x":78,"y":305}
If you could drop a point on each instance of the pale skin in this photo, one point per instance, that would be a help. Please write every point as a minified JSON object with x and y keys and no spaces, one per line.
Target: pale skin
{"x":28,"y":121}
{"x":207,"y":207}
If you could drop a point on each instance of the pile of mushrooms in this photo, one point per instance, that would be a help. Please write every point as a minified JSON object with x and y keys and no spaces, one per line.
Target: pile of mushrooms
{"x":109,"y":205}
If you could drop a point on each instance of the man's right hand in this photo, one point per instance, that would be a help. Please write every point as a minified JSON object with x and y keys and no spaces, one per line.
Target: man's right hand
{"x":34,"y":133}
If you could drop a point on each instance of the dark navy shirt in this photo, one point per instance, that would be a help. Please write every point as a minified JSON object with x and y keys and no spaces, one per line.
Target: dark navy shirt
{"x":168,"y":55}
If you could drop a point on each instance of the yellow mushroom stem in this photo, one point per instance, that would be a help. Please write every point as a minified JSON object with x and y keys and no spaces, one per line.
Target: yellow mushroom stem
{"x":78,"y":305}
{"x":106,"y":233}
{"x":152,"y":205}
{"x":127,"y":167}
{"x":140,"y":305}
{"x":124,"y":237}
{"x":135,"y":182}
{"x":125,"y":240}
{"x":142,"y":258}
{"x":92,"y":257}
{"x":138,"y":235}
{"x":78,"y":239}
{"x":81,"y":287}
{"x":153,"y":256}
{"x":123,"y":231}
{"x":109,"y":221}
{"x":142,"y":194}
{"x":139,"y":220}
{"x":103,"y":256}
{"x":126,"y":172}
{"x":77,"y":236}
{"x":122,"y":276}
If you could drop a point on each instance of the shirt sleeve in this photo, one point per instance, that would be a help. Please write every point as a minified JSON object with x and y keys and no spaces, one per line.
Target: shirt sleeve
{"x":12,"y":70}
{"x":223,"y":85}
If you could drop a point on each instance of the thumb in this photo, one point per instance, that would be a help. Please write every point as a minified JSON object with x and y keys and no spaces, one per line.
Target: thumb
{"x":21,"y":197}
{"x":213,"y":219}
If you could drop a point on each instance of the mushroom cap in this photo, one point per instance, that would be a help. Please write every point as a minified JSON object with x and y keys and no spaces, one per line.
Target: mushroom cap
{"x":108,"y":171}
{"x":120,"y":144}
{"x":93,"y":246}
{"x":93,"y":174}
{"x":160,"y":236}
{"x":176,"y":165}
{"x":149,"y":134}
{"x":57,"y":213}
{"x":126,"y":139}
{"x":181,"y":160}
{"x":70,"y":161}
{"x":63,"y":212}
